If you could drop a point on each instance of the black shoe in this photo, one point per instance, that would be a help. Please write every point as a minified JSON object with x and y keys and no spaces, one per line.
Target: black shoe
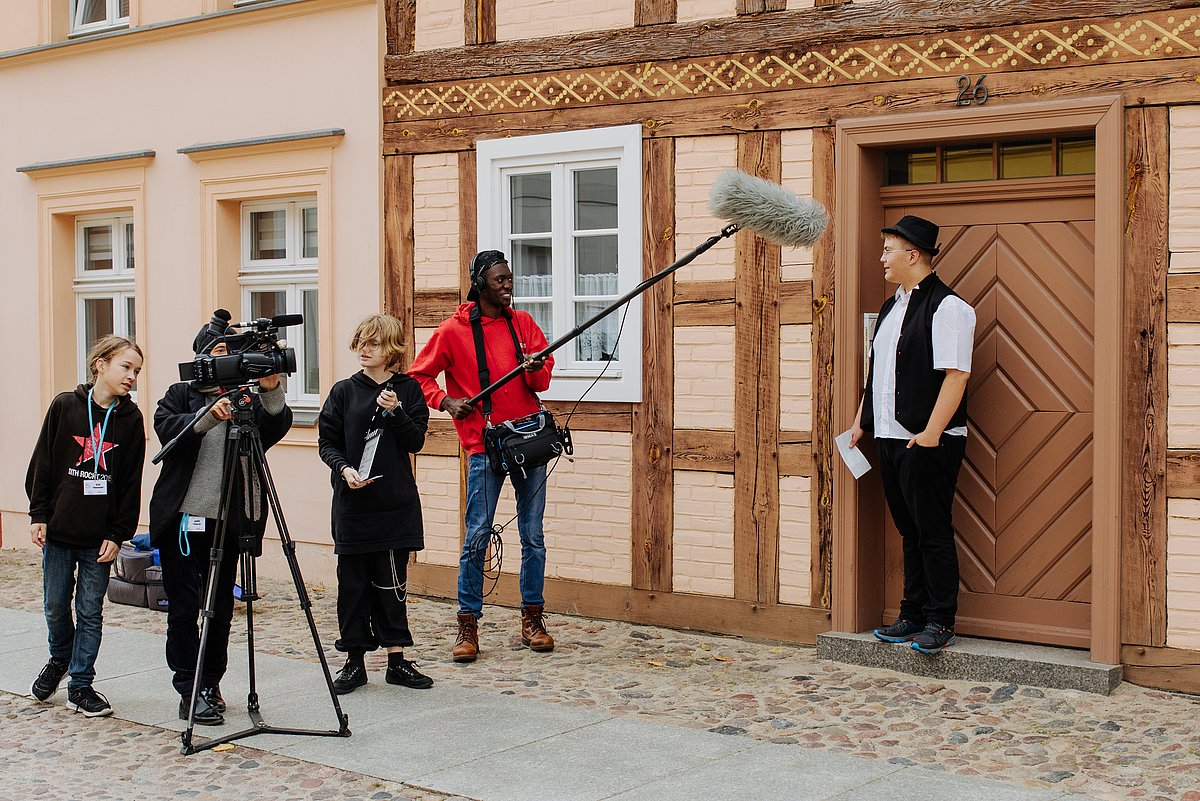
{"x":934,"y":638}
{"x":86,"y":700}
{"x":900,"y":631}
{"x":212,"y":695}
{"x":350,"y":678}
{"x":407,"y":675}
{"x":46,"y":684}
{"x":205,"y":714}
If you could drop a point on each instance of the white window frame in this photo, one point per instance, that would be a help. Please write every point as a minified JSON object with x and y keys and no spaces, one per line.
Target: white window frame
{"x":115,"y":284}
{"x":112,"y":18}
{"x":561,"y":154}
{"x":294,"y":274}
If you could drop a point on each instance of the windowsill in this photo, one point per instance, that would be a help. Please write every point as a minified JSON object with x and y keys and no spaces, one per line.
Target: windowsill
{"x":306,"y":418}
{"x":117,"y":26}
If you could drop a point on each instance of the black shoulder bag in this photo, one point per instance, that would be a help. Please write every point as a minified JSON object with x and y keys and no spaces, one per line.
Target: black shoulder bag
{"x":524,"y":443}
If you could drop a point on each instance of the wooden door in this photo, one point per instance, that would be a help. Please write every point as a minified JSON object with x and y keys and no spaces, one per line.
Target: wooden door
{"x":1023,"y":510}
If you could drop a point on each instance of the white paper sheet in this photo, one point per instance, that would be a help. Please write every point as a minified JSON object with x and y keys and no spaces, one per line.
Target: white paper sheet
{"x":853,"y":457}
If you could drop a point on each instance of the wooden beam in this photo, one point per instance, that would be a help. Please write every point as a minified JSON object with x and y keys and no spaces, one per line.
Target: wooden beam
{"x":400,"y":20}
{"x":398,"y":245}
{"x":703,"y":449}
{"x":796,"y":453}
{"x":756,"y":393}
{"x":654,"y":12}
{"x":809,"y":27}
{"x":441,"y":439}
{"x":1149,"y":83}
{"x":432,"y":306}
{"x":479,"y":21}
{"x":593,"y":415}
{"x":1183,"y":297}
{"x":823,"y":294}
{"x":795,"y":302}
{"x":653,"y":419}
{"x":468,"y":218}
{"x":741,"y":618}
{"x":1144,"y":428}
{"x":1165,"y":668}
{"x":704,"y":303}
{"x":1183,"y":474}
{"x":745,"y":7}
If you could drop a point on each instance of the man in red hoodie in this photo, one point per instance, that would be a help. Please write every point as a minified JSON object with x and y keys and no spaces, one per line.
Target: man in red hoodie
{"x":508,"y":335}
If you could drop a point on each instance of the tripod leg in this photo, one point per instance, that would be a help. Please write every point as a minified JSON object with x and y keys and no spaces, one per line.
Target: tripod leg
{"x":259,"y":462}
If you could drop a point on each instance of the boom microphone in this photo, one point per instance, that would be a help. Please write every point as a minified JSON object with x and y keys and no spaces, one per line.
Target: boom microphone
{"x":767,"y":209}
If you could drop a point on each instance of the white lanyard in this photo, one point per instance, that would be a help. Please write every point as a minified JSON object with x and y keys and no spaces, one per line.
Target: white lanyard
{"x":96,"y":454}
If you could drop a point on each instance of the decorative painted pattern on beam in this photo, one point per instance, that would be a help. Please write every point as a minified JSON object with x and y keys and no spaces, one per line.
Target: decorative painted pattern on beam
{"x":1061,"y":44}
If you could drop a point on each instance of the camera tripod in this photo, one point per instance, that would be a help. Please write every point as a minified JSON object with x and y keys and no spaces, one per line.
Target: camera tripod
{"x":245,"y":459}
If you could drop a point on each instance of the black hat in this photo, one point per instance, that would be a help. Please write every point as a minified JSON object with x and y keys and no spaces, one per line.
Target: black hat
{"x":919,"y":231}
{"x":214,"y":331}
{"x":484,"y":260}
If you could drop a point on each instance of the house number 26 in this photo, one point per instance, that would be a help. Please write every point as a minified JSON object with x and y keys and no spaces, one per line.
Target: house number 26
{"x":968,"y":94}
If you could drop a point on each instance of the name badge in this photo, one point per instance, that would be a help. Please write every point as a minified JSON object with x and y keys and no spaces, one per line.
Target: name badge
{"x":195,"y":523}
{"x":95,"y":487}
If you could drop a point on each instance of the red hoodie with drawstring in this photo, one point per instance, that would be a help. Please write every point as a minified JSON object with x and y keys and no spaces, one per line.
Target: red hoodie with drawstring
{"x":451,"y":350}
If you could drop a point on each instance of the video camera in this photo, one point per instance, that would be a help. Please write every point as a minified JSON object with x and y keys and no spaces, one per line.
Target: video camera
{"x":255,"y":351}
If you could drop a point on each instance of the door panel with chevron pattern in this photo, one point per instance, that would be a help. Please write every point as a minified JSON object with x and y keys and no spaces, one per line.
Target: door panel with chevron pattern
{"x":1023,"y":511}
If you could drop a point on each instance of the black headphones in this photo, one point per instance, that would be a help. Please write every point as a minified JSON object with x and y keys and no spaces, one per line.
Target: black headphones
{"x":484,"y":260}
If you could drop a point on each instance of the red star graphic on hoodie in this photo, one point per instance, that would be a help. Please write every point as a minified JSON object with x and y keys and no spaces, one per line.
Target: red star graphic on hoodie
{"x":88,"y":451}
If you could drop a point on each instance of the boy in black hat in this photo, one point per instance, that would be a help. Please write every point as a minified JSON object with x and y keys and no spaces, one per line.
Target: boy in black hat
{"x":915,"y":405}
{"x":183,"y":511}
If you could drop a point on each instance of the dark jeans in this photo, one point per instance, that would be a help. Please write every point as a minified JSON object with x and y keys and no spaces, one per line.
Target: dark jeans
{"x":185,"y":580}
{"x":919,"y":486}
{"x":67,"y":571}
{"x":371,"y":606}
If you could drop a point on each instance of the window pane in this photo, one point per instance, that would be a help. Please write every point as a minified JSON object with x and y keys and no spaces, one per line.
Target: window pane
{"x":92,"y":11}
{"x":543,"y":315}
{"x":911,"y":167}
{"x":530,"y":196}
{"x":123,"y":9}
{"x":1077,"y":157}
{"x":531,"y":269}
{"x":130,"y":319}
{"x":972,"y":163}
{"x":1026,"y":160}
{"x":598,"y":343}
{"x":268,"y":303}
{"x":310,"y":232}
{"x":268,"y":235}
{"x":97,"y":319}
{"x":128,"y":246}
{"x":97,"y":247}
{"x":596,"y":265}
{"x":310,"y":371}
{"x":595,"y":199}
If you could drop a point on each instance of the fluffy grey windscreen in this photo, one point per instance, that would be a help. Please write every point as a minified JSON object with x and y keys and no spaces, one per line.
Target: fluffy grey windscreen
{"x":767,"y":209}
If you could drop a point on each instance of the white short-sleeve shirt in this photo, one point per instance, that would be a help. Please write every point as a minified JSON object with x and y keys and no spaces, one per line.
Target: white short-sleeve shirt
{"x":953,"y":342}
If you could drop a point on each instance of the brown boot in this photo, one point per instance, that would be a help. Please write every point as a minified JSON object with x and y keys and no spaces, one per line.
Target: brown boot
{"x":466,"y":647}
{"x":533,"y":630}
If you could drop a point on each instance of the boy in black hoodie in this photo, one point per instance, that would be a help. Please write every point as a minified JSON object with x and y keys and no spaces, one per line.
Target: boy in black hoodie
{"x":85,"y":492}
{"x":370,"y":424}
{"x":183,"y":509}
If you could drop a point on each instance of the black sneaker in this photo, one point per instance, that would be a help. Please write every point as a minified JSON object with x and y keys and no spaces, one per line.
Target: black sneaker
{"x":934,"y":638}
{"x":212,"y":696}
{"x":350,"y":678}
{"x":46,"y":684}
{"x":205,"y":715}
{"x":86,"y":700}
{"x":900,"y":631}
{"x":407,"y":675}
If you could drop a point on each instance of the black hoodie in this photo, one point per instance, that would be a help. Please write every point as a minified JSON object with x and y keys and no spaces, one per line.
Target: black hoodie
{"x":386,"y":513}
{"x":64,"y":459}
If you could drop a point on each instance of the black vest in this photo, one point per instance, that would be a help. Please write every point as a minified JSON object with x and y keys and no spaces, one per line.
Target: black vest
{"x":917,"y":383}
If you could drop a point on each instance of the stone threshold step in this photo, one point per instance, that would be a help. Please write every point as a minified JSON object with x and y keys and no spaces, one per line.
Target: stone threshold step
{"x":974,"y":659}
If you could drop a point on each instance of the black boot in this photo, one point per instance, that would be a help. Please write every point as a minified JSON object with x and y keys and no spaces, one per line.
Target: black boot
{"x":205,"y":714}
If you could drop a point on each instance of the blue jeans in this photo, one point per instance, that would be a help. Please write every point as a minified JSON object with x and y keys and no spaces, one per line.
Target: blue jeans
{"x":483,"y":491}
{"x":75,"y":641}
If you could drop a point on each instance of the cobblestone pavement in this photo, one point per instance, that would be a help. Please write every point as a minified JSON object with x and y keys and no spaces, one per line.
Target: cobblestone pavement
{"x":1136,"y":743}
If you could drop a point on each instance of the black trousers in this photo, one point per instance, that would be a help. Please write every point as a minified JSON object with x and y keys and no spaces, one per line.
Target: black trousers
{"x":185,"y":579}
{"x":371,"y":604}
{"x":918,"y":484}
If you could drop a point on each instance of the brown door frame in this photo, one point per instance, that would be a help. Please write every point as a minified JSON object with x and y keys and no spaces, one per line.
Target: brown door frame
{"x":858,"y":509}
